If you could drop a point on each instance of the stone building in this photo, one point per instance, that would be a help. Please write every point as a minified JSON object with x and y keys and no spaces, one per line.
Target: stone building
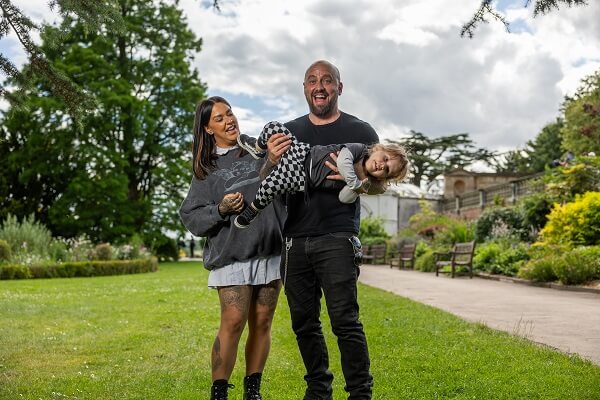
{"x":459,"y":181}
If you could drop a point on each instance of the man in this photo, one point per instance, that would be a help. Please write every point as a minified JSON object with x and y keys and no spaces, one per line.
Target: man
{"x":321,"y":243}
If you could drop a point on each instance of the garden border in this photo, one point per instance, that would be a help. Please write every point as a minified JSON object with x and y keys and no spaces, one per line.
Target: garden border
{"x":550,"y":285}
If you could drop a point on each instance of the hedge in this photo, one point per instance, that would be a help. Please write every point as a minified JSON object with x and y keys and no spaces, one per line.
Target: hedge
{"x":78,"y":269}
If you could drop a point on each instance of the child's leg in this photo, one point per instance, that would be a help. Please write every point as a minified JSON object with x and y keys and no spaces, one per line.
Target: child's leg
{"x":270,"y":129}
{"x":284,"y":178}
{"x":287,"y":177}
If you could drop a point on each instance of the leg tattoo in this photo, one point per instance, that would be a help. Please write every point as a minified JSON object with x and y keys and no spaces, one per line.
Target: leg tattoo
{"x":216,"y":355}
{"x":233,"y":296}
{"x":268,"y":294}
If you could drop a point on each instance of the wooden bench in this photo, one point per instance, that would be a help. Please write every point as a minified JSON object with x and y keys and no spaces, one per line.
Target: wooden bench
{"x":374,"y":254}
{"x":405,"y":257}
{"x":461,"y":256}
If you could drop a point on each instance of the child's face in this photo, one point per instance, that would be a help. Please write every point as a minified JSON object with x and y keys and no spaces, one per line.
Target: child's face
{"x":383,"y":165}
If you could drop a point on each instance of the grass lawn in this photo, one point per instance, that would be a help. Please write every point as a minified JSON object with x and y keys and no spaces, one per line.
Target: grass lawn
{"x":148,"y":336}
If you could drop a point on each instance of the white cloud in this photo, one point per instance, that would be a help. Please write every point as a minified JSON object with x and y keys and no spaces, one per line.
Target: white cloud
{"x":403,"y":64}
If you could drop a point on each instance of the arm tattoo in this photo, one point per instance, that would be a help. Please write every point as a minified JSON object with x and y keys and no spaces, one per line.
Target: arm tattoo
{"x":266,"y":169}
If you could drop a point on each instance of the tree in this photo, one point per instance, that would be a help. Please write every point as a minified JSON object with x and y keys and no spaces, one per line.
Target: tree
{"x":94,"y":16}
{"x":512,"y":161}
{"x":581,"y":132}
{"x":126,"y":171}
{"x":487,"y":10}
{"x":430,"y":157}
{"x":537,"y":154}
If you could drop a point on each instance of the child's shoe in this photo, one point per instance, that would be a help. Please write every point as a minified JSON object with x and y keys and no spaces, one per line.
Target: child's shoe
{"x":249,"y":144}
{"x":243,"y":220}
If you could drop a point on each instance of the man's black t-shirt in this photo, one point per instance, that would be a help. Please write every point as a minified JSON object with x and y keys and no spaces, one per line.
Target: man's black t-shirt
{"x":324,"y":213}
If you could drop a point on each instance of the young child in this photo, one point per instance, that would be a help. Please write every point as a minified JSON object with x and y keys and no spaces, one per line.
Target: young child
{"x":365,"y":169}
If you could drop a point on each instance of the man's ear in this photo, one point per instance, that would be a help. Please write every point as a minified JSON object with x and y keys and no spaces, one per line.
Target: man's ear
{"x":340,"y":87}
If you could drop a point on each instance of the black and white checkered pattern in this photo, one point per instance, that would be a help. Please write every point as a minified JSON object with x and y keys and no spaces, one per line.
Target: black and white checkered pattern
{"x":288,"y":175}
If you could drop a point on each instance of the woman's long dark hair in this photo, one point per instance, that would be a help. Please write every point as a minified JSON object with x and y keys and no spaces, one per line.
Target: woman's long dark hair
{"x":203,"y":150}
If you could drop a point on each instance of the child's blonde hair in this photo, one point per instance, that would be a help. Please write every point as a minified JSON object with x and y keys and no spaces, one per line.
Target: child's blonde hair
{"x":397,"y":151}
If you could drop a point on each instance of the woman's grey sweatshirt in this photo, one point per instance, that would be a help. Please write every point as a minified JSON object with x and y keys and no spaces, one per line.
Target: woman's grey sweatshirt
{"x":225,"y":243}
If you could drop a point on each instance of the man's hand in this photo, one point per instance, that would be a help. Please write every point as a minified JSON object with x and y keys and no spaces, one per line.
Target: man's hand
{"x":232,"y":203}
{"x":276,"y":146}
{"x":335,"y":176}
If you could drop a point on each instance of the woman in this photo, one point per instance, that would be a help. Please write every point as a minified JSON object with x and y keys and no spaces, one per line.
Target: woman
{"x":243,"y":264}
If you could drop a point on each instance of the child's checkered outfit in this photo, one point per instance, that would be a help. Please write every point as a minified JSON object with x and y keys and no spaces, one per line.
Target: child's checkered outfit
{"x":288,"y":176}
{"x":302,"y":167}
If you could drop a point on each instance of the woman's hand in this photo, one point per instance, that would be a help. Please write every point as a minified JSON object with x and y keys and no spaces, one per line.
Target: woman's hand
{"x":232,"y":203}
{"x":276,"y":146}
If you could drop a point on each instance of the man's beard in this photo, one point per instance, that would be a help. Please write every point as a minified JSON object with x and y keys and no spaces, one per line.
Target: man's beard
{"x":321,"y":111}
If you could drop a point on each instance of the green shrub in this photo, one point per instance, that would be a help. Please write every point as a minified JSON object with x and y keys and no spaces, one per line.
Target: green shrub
{"x":454,"y":231}
{"x":29,"y":240}
{"x":442,"y":229}
{"x":58,"y":250}
{"x":79,"y":269}
{"x":500,"y":222}
{"x":540,"y":269}
{"x":372,"y":231}
{"x":5,"y":252}
{"x":485,"y":256}
{"x":164,"y":247}
{"x":576,"y":223}
{"x":80,"y":249}
{"x":8,"y":271}
{"x":565,"y":183}
{"x":103,"y":252}
{"x":535,"y":209}
{"x":426,"y":261}
{"x":511,"y":259}
{"x":579,"y":265}
{"x":422,"y":248}
{"x":501,"y":256}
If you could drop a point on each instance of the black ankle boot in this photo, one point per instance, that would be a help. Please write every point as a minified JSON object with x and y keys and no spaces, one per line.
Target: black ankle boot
{"x":252,"y":387}
{"x":219,"y":388}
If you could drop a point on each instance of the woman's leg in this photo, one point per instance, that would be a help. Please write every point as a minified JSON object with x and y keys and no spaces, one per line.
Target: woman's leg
{"x":260,"y":318}
{"x":235,"y":304}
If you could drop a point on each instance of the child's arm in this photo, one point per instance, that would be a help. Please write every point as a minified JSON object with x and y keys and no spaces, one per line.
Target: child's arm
{"x":345,"y":164}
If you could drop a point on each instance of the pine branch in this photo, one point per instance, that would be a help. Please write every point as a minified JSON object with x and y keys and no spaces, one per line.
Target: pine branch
{"x":545,"y":6}
{"x":480,"y":17}
{"x":93,"y":14}
{"x":540,"y":7}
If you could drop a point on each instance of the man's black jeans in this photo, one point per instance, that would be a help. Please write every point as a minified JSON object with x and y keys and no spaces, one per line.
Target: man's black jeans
{"x":326,"y":263}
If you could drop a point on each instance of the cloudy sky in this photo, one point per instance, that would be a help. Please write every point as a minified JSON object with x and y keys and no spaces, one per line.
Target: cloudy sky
{"x":403,"y":64}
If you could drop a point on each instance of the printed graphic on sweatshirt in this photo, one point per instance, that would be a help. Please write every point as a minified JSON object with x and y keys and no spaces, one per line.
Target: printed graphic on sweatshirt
{"x":240,"y":174}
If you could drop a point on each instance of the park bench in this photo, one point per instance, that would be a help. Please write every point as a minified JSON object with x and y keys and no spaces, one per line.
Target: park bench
{"x":405,"y":258}
{"x":374,"y":254}
{"x":460,"y":256}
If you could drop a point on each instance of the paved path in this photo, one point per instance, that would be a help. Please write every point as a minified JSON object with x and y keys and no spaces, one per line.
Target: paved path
{"x":568,"y":321}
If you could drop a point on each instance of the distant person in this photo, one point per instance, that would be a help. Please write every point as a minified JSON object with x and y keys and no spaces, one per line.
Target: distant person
{"x":192,"y":246}
{"x":365,"y":169}
{"x":243,"y":264}
{"x":567,"y":158}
